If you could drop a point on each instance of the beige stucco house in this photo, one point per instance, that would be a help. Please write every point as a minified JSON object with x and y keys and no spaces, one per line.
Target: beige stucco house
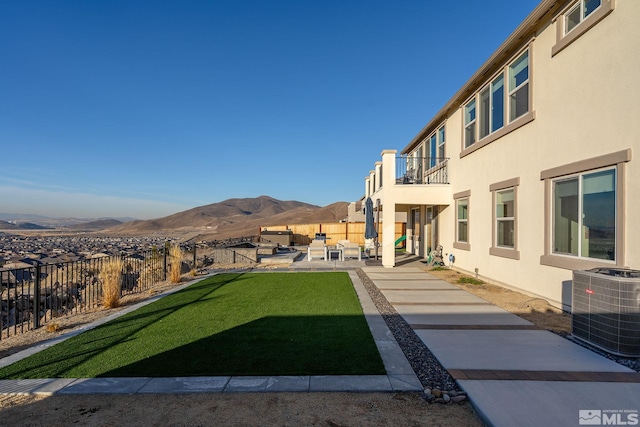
{"x":531,"y":169}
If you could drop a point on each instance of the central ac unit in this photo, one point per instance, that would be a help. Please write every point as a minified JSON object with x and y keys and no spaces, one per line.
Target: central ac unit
{"x":606,"y":309}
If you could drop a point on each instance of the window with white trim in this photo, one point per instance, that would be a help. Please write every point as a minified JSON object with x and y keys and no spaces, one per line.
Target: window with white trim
{"x":584,"y":215}
{"x":577,"y":18}
{"x":441,"y":141}
{"x":505,"y":218}
{"x":578,"y":13}
{"x":430,"y":152}
{"x":519,"y":86}
{"x":493,"y":107}
{"x":470,"y":123}
{"x":462,"y":229}
{"x":504,"y":239}
{"x":462,"y":205}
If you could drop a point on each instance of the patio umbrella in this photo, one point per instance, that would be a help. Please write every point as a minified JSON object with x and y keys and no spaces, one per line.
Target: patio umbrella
{"x":369,"y":227}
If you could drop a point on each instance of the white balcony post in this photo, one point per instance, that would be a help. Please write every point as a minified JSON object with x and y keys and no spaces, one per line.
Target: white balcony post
{"x":388,"y":216}
{"x":378,"y":172}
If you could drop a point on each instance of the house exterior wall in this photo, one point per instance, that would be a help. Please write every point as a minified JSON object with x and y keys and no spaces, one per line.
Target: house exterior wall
{"x":584,"y":104}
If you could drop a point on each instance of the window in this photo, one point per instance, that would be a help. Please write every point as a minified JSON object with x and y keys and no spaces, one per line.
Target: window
{"x":497,"y":103}
{"x":441,"y":140}
{"x":505,"y":219}
{"x":584,"y":212}
{"x":579,"y":12}
{"x":578,"y":18}
{"x":470,"y":123}
{"x":462,"y":220}
{"x":519,"y":87}
{"x":462,"y":234}
{"x":433,"y":147}
{"x":584,"y":215}
{"x":492,"y":107}
{"x":489,"y":113}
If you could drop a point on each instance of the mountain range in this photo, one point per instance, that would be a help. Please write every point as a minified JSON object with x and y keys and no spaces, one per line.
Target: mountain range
{"x":216,"y":221}
{"x":235,"y":218}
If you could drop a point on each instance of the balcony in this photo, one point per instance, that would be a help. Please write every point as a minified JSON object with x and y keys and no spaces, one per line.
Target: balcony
{"x":422,"y":170}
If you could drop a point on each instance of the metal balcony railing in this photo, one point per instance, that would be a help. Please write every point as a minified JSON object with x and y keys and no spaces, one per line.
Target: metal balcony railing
{"x":422,"y":170}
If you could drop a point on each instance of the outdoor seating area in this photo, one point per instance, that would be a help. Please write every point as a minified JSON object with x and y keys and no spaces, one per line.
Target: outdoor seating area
{"x":344,"y":249}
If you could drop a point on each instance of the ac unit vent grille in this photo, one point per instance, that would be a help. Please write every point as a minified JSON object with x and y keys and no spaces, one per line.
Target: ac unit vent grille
{"x":606,"y":309}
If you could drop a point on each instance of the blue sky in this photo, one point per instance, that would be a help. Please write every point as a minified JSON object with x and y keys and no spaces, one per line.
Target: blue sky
{"x":147,"y":108}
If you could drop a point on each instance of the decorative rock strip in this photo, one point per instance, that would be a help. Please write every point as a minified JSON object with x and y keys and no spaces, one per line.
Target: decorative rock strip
{"x":433,"y":376}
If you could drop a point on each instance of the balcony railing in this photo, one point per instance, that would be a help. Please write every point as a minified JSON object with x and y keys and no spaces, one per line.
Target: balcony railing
{"x":422,"y":170}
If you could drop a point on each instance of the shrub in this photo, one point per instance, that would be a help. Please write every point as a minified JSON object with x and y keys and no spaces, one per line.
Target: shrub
{"x":176,"y":263}
{"x":439,"y":268}
{"x":53,"y":327}
{"x":470,"y":281}
{"x":111,"y":276}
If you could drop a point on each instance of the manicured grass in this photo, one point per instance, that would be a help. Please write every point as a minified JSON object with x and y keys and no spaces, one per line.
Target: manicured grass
{"x":229,"y":324}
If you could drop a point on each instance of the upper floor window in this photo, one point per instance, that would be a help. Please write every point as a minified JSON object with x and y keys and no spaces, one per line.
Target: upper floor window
{"x":441,"y":140}
{"x":577,"y":18}
{"x":430,"y":152}
{"x":519,"y":87}
{"x":493,"y":108}
{"x":470,"y":123}
{"x":579,"y":12}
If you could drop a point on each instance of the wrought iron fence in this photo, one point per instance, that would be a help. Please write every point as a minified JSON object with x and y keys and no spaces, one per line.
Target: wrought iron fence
{"x":422,"y":170}
{"x":31,"y":297}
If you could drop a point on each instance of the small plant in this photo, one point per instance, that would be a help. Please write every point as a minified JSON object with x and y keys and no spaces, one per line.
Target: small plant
{"x":176,"y":263}
{"x":193,"y":272}
{"x":439,"y":268}
{"x":111,"y":276}
{"x":53,"y":327}
{"x":470,"y":281}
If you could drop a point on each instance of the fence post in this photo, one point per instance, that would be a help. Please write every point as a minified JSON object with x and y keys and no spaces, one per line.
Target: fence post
{"x":164,"y":265}
{"x":36,"y":299}
{"x":234,"y":257}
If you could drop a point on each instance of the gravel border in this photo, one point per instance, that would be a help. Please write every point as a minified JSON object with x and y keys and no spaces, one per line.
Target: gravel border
{"x":427,"y":368}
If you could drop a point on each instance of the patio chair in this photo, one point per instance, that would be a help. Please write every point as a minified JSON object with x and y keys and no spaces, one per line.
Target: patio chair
{"x":317,"y":249}
{"x":350,"y":249}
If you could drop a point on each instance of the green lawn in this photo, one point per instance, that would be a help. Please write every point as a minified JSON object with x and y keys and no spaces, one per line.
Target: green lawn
{"x":229,"y":324}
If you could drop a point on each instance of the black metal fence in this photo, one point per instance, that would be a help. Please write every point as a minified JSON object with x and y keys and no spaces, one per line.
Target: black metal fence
{"x":31,"y":297}
{"x":34,"y":296}
{"x":422,"y":170}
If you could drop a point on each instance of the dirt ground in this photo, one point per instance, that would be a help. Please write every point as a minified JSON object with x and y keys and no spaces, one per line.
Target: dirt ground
{"x":250,"y":409}
{"x":535,"y":310}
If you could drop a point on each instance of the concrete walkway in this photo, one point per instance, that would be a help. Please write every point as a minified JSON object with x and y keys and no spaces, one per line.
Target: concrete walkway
{"x":513,"y":373}
{"x":400,"y":375}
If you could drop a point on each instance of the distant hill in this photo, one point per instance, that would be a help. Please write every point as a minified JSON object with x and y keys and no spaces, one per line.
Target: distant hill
{"x":4,"y":225}
{"x":236,"y":217}
{"x":20,"y":216}
{"x":52,"y":222}
{"x":100,"y":224}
